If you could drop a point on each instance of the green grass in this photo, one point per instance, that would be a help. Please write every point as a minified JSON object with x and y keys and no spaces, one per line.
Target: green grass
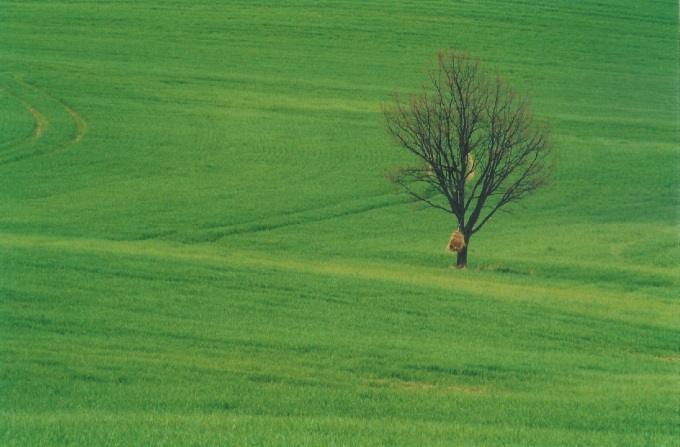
{"x":198,"y":246}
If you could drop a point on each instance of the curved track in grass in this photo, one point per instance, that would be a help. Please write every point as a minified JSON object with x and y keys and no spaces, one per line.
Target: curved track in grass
{"x":56,"y":125}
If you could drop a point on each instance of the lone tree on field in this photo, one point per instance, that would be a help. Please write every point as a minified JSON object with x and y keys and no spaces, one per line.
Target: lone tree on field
{"x":477,"y":145}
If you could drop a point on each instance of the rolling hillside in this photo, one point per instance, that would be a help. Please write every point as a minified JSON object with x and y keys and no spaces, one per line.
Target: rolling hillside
{"x":198,"y":245}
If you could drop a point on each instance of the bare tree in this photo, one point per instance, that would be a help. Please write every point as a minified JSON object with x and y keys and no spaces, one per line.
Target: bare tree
{"x":477,"y":145}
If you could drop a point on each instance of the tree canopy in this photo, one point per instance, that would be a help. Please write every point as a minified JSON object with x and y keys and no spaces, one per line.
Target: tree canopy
{"x":477,"y":145}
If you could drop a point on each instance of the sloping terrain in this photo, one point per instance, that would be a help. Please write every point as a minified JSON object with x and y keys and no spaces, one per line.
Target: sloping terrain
{"x":198,"y":245}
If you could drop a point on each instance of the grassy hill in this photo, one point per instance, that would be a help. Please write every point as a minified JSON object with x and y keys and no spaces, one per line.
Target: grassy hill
{"x":198,"y":245}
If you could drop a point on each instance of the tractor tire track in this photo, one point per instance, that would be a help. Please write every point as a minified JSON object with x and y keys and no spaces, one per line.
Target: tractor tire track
{"x":39,"y":118}
{"x":216,"y":233}
{"x":81,"y":124}
{"x":33,"y":147}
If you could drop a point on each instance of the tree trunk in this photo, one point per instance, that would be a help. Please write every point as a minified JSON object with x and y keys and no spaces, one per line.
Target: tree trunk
{"x":461,"y":261}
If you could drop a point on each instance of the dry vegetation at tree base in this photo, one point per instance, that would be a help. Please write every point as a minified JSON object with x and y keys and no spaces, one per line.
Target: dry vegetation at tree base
{"x":198,"y":245}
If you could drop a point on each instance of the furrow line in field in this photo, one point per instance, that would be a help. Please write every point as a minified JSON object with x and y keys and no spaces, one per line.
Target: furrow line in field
{"x":579,"y":299}
{"x":218,"y":233}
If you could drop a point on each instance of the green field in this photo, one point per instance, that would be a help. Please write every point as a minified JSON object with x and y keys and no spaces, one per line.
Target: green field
{"x":198,"y":245}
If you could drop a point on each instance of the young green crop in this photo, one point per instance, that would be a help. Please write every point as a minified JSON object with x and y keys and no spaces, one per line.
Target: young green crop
{"x":198,"y":245}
